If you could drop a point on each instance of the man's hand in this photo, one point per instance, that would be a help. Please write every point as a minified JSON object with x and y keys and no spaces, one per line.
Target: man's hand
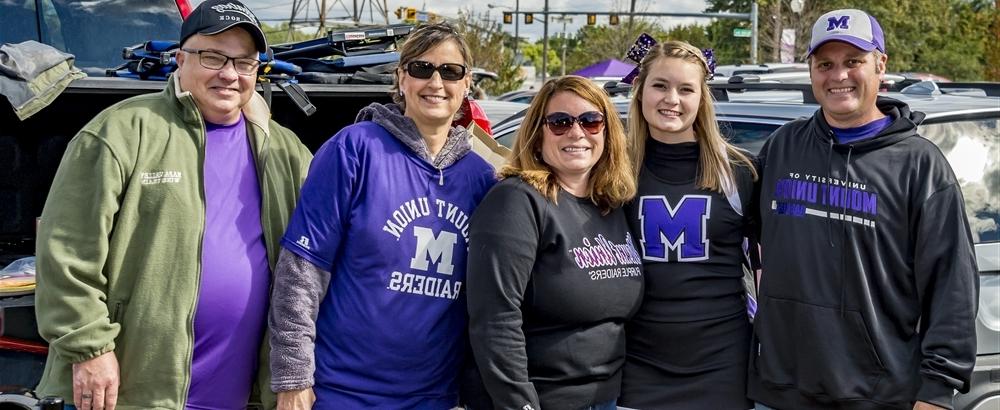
{"x":922,"y":405}
{"x":95,"y":383}
{"x":296,"y":399}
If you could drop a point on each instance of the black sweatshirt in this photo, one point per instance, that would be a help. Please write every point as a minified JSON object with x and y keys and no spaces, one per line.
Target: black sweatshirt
{"x":550,"y":287}
{"x":869,"y":290}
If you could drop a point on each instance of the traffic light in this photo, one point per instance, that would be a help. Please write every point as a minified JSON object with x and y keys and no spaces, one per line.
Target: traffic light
{"x":399,"y":13}
{"x":528,"y":18}
{"x":411,"y":14}
{"x":508,"y":17}
{"x":613,"y":19}
{"x":591,"y":19}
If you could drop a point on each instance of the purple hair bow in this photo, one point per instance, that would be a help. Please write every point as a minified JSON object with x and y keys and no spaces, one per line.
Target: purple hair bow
{"x":645,"y":42}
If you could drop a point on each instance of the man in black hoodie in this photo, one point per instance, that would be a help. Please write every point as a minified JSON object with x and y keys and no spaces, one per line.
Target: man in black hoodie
{"x":869,"y":288}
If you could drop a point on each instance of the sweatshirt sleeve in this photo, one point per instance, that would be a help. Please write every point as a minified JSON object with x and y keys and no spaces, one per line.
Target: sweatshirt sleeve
{"x":72,"y":248}
{"x":948,"y":288}
{"x":305,"y":266}
{"x":503,"y":242}
{"x":299,"y":287}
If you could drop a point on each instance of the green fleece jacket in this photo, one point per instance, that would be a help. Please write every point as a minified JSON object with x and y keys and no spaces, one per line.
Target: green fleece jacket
{"x":119,"y":242}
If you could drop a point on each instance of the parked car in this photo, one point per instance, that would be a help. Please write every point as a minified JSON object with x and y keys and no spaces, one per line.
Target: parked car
{"x":964,"y":122}
{"x":498,"y":111}
{"x":730,"y":70}
{"x":521,"y":96}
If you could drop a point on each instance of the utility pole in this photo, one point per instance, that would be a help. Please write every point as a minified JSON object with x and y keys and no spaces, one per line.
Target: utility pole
{"x":631,"y":14}
{"x":563,"y":19}
{"x":545,"y":41}
{"x":777,"y":19}
{"x":753,"y":34}
{"x":517,"y":21}
{"x":322,"y":19}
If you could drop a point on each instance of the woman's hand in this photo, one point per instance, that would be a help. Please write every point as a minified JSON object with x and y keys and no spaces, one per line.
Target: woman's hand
{"x":296,"y":399}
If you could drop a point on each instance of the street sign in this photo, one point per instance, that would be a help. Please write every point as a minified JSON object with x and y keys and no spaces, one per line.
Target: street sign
{"x":741,"y":32}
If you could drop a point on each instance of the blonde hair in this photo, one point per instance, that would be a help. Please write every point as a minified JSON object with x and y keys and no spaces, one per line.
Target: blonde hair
{"x":715,"y":165}
{"x":611,"y":183}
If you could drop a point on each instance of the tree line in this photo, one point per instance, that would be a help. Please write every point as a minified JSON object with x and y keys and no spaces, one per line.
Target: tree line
{"x":958,"y":39}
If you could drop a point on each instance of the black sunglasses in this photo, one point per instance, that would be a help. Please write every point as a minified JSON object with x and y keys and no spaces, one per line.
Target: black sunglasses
{"x":560,"y":123}
{"x":424,"y":70}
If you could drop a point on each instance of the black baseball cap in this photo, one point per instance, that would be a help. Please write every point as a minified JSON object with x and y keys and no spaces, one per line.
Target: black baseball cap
{"x":215,"y":16}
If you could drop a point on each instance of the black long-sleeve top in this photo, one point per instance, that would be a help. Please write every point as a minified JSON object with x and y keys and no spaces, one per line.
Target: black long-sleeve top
{"x":550,"y":287}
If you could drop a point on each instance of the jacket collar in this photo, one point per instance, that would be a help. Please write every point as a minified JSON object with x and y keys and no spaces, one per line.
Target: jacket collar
{"x":255,"y":111}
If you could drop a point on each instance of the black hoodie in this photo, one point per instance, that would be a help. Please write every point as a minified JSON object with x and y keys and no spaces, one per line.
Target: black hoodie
{"x":869,"y":290}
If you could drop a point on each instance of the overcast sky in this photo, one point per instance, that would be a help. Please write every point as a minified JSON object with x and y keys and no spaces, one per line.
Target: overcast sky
{"x":272,"y":10}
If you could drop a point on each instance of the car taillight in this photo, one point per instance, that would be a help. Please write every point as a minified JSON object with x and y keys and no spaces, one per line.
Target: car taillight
{"x":184,"y":7}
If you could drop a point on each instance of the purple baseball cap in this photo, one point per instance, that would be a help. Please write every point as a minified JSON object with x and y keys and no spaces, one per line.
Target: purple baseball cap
{"x":851,"y":26}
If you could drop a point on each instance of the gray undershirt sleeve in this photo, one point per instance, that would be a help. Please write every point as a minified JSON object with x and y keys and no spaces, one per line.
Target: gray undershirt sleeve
{"x":299,"y":287}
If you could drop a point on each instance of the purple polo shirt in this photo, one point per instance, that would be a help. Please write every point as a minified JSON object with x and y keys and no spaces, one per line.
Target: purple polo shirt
{"x":232,"y":303}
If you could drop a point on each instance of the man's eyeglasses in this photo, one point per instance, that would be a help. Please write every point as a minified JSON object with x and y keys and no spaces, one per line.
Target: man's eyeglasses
{"x":560,"y":123}
{"x":424,"y":70}
{"x":215,"y":61}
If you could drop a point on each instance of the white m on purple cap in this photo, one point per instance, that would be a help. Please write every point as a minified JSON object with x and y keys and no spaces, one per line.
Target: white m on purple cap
{"x":851,"y":26}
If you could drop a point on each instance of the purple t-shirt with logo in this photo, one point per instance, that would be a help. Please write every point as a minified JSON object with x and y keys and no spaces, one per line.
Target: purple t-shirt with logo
{"x":393,"y":231}
{"x":235,"y":276}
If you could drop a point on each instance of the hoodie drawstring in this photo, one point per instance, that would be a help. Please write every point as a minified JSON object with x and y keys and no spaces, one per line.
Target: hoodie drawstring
{"x":843,"y":236}
{"x":440,"y":176}
{"x":829,"y":171}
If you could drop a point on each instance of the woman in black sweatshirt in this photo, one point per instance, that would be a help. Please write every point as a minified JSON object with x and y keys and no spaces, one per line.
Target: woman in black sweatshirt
{"x":688,"y":345}
{"x":553,"y":272}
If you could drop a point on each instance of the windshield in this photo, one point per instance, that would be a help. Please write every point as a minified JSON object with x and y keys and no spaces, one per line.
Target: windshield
{"x":972,"y":148}
{"x":95,"y":31}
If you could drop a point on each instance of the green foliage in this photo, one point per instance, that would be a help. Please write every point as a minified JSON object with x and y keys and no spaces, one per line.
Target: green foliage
{"x":729,"y":49}
{"x":533,"y":53}
{"x":954,"y":38}
{"x":696,"y":35}
{"x":598,"y":43}
{"x":949,"y":38}
{"x":487,"y":43}
{"x":992,"y":56}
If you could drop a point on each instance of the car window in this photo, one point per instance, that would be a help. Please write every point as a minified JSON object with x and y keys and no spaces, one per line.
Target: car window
{"x":17,"y":21}
{"x":746,"y":135}
{"x":971,"y":147}
{"x":506,"y":138}
{"x":95,"y":31}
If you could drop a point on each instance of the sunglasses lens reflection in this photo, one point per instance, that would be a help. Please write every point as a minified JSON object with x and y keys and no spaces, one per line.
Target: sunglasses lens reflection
{"x":560,"y":123}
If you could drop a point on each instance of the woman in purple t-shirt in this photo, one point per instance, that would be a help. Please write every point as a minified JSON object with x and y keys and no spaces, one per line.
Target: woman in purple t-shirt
{"x":368,"y":308}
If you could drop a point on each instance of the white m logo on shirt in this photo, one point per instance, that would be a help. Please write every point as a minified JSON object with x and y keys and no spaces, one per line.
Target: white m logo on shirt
{"x":430,"y":248}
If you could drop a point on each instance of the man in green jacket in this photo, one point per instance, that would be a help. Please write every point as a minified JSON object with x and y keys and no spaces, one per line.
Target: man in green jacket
{"x":158,"y":237}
